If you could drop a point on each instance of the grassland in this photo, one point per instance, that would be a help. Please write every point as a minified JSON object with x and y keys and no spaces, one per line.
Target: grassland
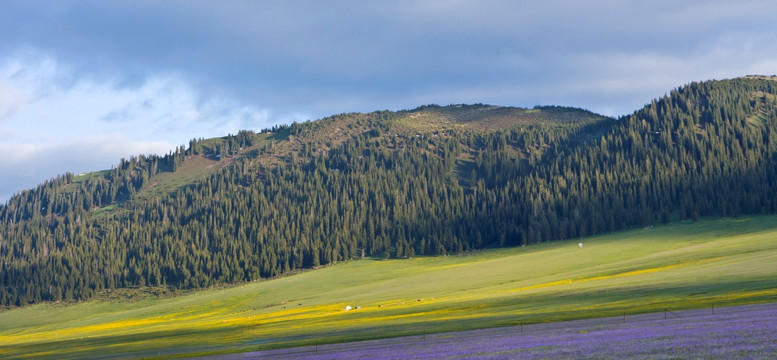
{"x":677,"y":266}
{"x":487,"y":117}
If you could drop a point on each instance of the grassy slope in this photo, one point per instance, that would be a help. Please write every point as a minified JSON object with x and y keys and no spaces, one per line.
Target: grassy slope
{"x":196,"y":168}
{"x":489,"y":118}
{"x":684,"y":265}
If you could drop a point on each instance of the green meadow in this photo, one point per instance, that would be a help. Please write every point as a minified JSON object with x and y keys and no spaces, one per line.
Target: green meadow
{"x":677,"y":266}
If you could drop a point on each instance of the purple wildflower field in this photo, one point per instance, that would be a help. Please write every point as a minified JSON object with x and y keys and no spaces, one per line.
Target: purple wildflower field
{"x":742,"y":332}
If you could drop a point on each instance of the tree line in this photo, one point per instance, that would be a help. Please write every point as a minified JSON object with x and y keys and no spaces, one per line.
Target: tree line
{"x":705,"y":149}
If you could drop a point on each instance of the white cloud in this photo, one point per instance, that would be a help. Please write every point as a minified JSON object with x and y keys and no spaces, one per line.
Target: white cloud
{"x":10,"y":100}
{"x":25,"y":165}
{"x":75,"y":155}
{"x":44,"y":101}
{"x":52,"y":121}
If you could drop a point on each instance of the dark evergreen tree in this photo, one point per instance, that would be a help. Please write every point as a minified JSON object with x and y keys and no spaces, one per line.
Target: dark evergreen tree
{"x":391,"y":184}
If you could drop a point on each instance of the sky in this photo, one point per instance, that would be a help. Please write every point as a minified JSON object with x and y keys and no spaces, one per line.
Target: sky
{"x":86,"y":83}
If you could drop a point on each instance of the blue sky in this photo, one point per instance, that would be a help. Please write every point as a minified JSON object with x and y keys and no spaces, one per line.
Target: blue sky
{"x":85,"y":83}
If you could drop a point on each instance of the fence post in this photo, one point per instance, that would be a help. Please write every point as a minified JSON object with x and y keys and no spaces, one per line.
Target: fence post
{"x":664,"y":313}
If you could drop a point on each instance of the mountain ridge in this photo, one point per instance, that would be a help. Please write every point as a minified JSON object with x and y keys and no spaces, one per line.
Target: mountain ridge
{"x":427,"y":181}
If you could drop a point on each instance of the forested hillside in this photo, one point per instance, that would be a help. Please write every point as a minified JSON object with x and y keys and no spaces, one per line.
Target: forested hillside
{"x":428,"y":181}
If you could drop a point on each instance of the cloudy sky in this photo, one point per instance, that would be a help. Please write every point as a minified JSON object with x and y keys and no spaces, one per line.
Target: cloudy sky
{"x":84,"y":83}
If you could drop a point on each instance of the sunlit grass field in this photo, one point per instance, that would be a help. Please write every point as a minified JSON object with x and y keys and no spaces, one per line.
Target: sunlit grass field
{"x":677,"y":266}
